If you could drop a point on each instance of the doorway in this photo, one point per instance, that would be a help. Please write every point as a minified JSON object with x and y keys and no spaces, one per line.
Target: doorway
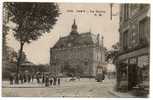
{"x":132,"y":76}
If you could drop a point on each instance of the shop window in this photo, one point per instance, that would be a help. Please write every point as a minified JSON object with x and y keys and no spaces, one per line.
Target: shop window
{"x":123,"y":71}
{"x":145,"y":73}
{"x":143,"y":64}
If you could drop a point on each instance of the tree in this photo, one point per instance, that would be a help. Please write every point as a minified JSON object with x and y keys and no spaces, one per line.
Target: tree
{"x":10,"y":61}
{"x":6,"y":15}
{"x":32,"y":20}
{"x":12,"y":55}
{"x":112,"y":54}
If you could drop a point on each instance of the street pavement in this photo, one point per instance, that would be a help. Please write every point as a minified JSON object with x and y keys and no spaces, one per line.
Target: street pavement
{"x":78,"y":88}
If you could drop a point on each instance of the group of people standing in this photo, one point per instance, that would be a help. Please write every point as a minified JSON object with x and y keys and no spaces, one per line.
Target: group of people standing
{"x":21,"y":78}
{"x":41,"y":78}
{"x":50,"y":80}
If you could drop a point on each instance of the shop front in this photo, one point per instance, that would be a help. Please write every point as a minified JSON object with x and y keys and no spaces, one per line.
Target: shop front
{"x":133,"y":69}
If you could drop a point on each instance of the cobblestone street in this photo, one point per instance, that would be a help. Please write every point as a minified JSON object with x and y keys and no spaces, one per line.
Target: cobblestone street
{"x":82,"y":88}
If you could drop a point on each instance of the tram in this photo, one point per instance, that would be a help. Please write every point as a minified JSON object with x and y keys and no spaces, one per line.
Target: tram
{"x":100,"y":73}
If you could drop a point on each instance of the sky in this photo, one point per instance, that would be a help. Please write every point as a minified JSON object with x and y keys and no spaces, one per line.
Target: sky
{"x":97,"y":23}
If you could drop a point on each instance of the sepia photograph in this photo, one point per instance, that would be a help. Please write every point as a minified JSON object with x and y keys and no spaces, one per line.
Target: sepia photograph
{"x":86,"y":50}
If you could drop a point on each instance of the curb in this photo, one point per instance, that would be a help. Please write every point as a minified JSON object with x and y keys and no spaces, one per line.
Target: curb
{"x":30,"y":87}
{"x":114,"y":94}
{"x":24,"y":87}
{"x":119,"y":95}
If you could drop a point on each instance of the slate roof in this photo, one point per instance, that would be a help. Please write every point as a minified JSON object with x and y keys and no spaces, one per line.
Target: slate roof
{"x":74,"y":40}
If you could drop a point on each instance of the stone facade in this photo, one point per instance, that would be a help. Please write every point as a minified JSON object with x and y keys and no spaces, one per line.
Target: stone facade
{"x":133,"y":58}
{"x":77,"y":50}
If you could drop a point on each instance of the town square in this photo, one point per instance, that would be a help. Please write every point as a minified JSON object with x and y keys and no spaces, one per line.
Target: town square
{"x":57,"y":49}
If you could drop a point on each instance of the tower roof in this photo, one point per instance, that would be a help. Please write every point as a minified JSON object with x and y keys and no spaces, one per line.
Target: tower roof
{"x":74,"y":29}
{"x":74,"y":26}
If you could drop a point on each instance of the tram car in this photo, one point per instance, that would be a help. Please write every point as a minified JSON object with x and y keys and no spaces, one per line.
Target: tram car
{"x":100,"y":73}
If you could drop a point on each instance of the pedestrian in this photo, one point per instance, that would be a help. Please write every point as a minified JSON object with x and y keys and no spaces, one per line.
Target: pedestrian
{"x":38,"y":78}
{"x":29,"y":78}
{"x":24,"y":77}
{"x":51,"y":81}
{"x":55,"y":79}
{"x":21,"y":78}
{"x":103,"y":76}
{"x":32,"y":77}
{"x":16,"y":78}
{"x":47,"y":81}
{"x":59,"y":81}
{"x":43,"y":78}
{"x":79,"y":77}
{"x":11,"y":79}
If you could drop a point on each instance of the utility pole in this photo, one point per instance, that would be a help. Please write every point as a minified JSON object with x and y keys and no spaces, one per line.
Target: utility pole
{"x":102,"y":45}
{"x":98,"y":47}
{"x":111,"y":12}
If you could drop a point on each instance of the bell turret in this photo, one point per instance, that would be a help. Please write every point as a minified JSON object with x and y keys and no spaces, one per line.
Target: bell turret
{"x":74,"y":28}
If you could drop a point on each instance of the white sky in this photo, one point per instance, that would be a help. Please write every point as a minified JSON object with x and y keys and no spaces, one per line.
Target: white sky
{"x":38,"y":51}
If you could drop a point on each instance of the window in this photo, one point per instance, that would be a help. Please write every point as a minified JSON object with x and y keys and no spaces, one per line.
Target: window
{"x":126,"y":11}
{"x":143,"y":30}
{"x":134,"y":9}
{"x":134,"y":6}
{"x":125,"y":40}
{"x":142,"y":6}
{"x":133,"y":36}
{"x":133,"y":39}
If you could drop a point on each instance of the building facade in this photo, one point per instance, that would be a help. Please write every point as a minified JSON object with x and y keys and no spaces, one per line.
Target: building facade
{"x":80,"y":53}
{"x":133,"y":58}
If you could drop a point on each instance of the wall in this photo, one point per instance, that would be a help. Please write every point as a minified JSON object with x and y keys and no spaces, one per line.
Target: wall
{"x":75,"y":56}
{"x":132,"y":25}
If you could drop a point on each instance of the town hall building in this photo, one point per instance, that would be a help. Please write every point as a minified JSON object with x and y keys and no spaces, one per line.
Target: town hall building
{"x":78,"y":53}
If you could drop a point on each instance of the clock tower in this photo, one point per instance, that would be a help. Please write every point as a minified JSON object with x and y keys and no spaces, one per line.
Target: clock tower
{"x":74,"y":28}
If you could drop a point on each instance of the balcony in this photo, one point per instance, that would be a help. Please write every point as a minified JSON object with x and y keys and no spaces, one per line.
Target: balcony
{"x":125,"y":49}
